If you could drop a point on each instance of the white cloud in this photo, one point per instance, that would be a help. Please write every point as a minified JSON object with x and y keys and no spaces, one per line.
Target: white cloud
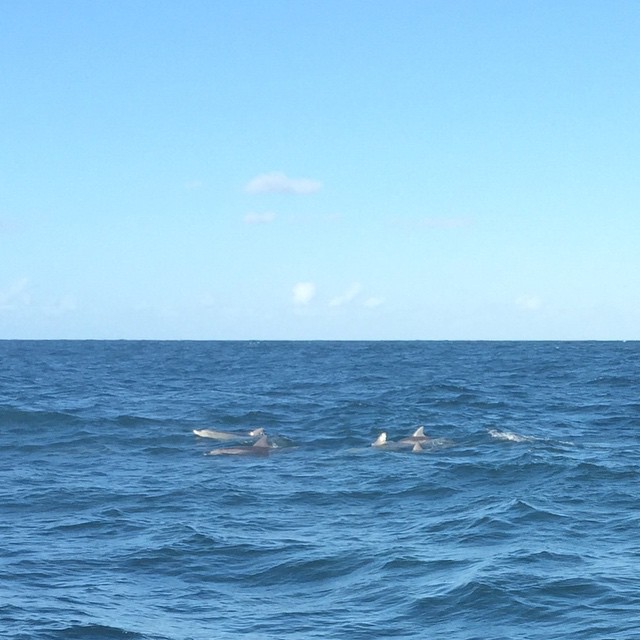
{"x":445,"y":222}
{"x":373,"y":302}
{"x":260,"y":218}
{"x":61,"y":306}
{"x":278,"y":182}
{"x":17,"y":295}
{"x":435,"y":222}
{"x":528,"y":302}
{"x":303,"y":292}
{"x":350,"y":294}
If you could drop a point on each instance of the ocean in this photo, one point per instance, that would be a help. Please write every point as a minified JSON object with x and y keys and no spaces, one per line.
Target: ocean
{"x":518,"y":518}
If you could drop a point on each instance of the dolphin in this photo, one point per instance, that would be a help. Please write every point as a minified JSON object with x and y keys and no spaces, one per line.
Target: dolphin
{"x":260,"y":448}
{"x":226,"y":436}
{"x":413,"y":441}
{"x":417,"y":436}
{"x":381,"y":442}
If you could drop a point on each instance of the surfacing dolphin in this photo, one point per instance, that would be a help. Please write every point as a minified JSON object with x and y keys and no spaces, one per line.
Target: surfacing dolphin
{"x":417,"y":436}
{"x":226,"y":436}
{"x":413,"y":441}
{"x":381,"y":442}
{"x":260,"y":448}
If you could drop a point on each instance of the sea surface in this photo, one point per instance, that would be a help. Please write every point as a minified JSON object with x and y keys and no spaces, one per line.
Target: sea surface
{"x":519,"y":519}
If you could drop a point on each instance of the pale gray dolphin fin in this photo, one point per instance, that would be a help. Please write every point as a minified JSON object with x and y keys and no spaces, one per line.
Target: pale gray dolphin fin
{"x":380,"y":440}
{"x":417,"y":448}
{"x":262,"y":442}
{"x":419,"y":433}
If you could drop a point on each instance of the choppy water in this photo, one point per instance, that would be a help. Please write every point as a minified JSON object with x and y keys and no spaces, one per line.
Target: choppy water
{"x":520,"y":520}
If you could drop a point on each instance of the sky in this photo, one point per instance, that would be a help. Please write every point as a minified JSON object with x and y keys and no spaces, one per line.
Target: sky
{"x":320,"y":169}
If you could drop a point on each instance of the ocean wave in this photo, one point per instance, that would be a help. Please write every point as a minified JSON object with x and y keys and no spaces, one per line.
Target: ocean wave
{"x":551,"y":440}
{"x":16,"y":418}
{"x":510,"y":436}
{"x":98,"y":632}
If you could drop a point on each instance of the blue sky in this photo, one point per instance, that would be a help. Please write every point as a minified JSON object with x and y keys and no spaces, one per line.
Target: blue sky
{"x":320,"y":169}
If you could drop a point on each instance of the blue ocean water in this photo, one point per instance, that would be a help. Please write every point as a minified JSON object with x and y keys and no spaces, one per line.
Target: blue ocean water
{"x":519,"y":519}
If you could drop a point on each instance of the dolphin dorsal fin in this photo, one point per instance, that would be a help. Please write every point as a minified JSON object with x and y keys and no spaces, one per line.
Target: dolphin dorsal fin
{"x":419,"y":433}
{"x":417,"y":448}
{"x":380,"y":440}
{"x":262,"y":442}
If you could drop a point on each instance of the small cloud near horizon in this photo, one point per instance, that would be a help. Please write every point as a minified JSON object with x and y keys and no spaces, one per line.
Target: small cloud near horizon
{"x":435,"y":222}
{"x":373,"y":302}
{"x":61,"y":306}
{"x":259,"y":218}
{"x":16,"y":295}
{"x":528,"y":302}
{"x":445,"y":222}
{"x":303,"y":293}
{"x":278,"y":182}
{"x":350,"y":294}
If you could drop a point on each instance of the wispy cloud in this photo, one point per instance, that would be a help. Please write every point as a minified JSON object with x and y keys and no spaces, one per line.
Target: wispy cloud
{"x":373,"y":302}
{"x":528,"y":302}
{"x":9,"y":225}
{"x":350,"y":294}
{"x":15,"y":296}
{"x":260,"y":218}
{"x":435,"y":222}
{"x":303,"y":293}
{"x":61,"y":306}
{"x":445,"y":222}
{"x":278,"y":182}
